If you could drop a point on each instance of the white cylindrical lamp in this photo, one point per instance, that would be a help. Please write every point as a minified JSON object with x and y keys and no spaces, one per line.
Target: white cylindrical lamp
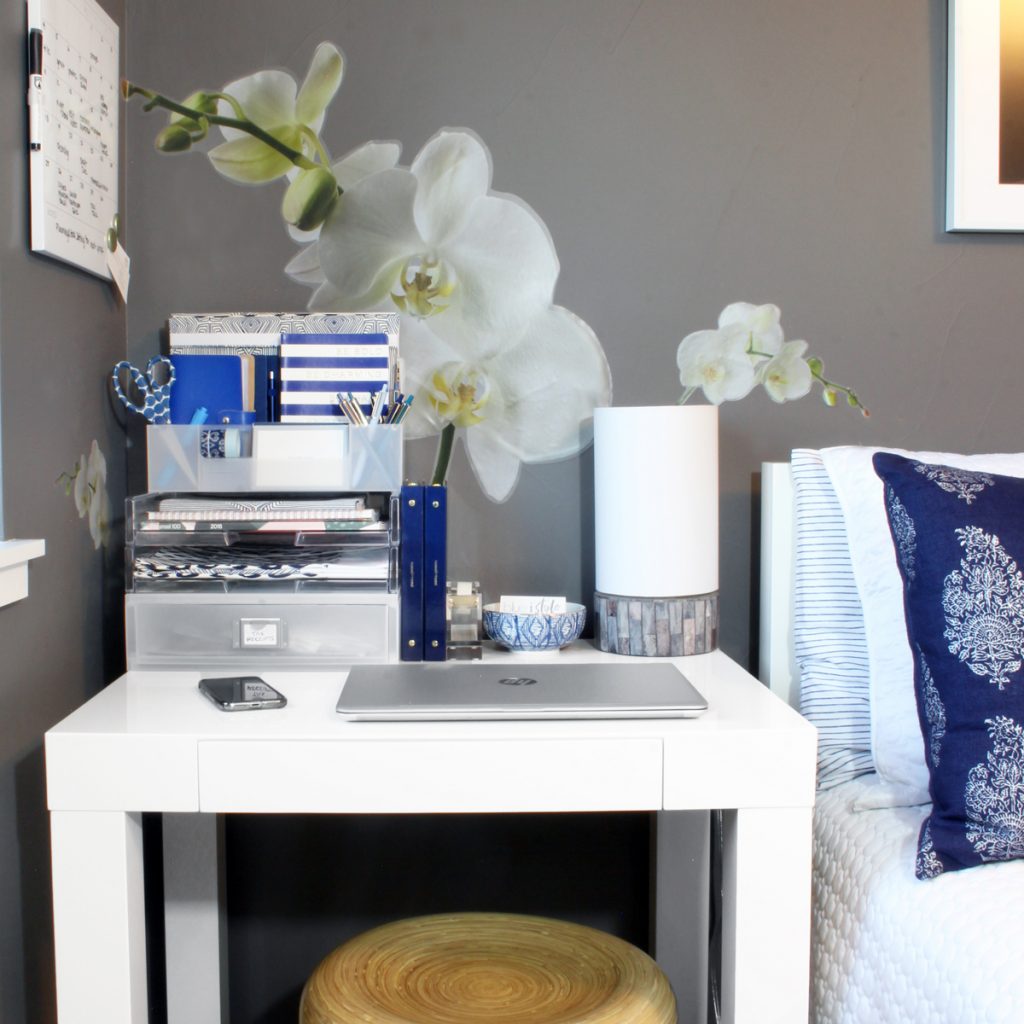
{"x":656,"y":529}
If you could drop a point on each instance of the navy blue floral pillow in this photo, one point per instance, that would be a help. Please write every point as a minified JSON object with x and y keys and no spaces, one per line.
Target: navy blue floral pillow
{"x":959,"y":539}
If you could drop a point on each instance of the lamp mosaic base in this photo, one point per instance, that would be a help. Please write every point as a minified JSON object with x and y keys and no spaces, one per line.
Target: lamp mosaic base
{"x":655,"y":627}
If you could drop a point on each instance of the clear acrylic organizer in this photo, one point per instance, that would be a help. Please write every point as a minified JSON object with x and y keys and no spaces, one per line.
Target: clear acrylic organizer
{"x":274,"y":457}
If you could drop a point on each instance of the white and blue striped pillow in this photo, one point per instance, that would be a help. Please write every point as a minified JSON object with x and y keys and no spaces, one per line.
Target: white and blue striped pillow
{"x":829,"y":637}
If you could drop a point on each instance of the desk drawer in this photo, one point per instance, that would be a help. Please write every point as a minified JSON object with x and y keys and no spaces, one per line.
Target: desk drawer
{"x":430,"y":776}
{"x":205,"y":631}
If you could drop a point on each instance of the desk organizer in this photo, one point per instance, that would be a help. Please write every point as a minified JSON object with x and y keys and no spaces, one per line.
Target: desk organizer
{"x":227,"y":594}
{"x":274,"y":457}
{"x":219,"y":589}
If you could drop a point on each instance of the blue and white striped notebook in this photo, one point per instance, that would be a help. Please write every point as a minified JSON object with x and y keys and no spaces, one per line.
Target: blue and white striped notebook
{"x":315,"y":367}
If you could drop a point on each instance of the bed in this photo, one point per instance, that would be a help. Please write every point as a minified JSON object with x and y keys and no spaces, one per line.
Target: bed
{"x":896,"y":936}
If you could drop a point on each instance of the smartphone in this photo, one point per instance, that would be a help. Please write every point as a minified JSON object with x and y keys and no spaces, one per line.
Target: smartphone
{"x":241,"y":693}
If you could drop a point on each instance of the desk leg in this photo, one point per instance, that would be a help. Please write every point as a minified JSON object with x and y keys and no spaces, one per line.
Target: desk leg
{"x":682,"y":882}
{"x":766,"y":915}
{"x":195,"y":925}
{"x":99,"y":917}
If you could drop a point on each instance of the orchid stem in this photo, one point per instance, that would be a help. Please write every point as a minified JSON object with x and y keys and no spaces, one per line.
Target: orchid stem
{"x":851,"y":396}
{"x":155,"y":99}
{"x":235,"y":105}
{"x":318,"y":145}
{"x":444,"y":454}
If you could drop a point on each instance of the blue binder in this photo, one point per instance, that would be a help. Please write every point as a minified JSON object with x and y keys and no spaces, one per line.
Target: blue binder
{"x":435,"y":564}
{"x":411,"y":555}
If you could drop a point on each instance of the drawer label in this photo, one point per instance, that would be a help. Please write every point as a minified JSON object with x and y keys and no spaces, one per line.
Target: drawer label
{"x":260,"y":633}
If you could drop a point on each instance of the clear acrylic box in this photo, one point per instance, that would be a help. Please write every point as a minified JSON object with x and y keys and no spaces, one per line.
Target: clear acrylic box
{"x":274,"y":457}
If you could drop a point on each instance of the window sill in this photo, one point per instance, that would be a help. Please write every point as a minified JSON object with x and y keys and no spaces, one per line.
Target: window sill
{"x":14,"y":559}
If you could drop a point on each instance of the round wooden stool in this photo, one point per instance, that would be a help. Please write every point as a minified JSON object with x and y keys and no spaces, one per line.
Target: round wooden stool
{"x":486,"y":969}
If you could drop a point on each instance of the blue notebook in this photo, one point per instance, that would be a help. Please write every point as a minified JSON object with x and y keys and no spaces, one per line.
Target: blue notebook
{"x":211,"y":382}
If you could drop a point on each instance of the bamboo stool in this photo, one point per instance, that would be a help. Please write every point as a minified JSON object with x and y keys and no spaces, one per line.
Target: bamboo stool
{"x":486,"y":969}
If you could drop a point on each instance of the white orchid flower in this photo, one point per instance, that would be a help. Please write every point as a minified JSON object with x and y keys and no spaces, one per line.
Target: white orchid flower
{"x":98,"y":499}
{"x":787,"y":375}
{"x":760,"y":324}
{"x":432,"y":240}
{"x":99,"y":518}
{"x":718,"y":363}
{"x":351,"y":168}
{"x":528,"y":399}
{"x":272,"y":101}
{"x":88,"y":485}
{"x":80,"y":487}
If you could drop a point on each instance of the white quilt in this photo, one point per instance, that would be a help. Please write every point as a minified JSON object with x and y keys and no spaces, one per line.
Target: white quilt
{"x":889,"y":949}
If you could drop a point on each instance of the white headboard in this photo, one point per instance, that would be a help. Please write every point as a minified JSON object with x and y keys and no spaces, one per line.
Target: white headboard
{"x":777,"y":667}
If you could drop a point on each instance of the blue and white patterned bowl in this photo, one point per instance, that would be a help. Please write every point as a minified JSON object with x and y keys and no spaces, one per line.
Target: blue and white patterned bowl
{"x":532,"y":633}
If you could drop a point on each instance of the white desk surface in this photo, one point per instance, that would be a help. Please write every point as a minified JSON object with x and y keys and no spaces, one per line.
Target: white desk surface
{"x":142,"y":743}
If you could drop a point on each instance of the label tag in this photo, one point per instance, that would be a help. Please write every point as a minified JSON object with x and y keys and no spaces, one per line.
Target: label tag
{"x":119,"y":266}
{"x":260,"y":632}
{"x":519,"y":604}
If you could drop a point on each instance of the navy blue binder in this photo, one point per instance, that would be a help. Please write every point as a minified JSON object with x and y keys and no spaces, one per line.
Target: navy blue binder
{"x":435,"y":563}
{"x":411,"y":554}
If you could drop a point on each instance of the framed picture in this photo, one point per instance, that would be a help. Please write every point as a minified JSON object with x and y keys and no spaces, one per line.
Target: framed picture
{"x":985,"y":133}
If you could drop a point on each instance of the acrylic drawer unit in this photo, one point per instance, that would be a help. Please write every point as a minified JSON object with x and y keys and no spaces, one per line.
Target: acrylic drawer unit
{"x":243,"y":629}
{"x":273,"y":579}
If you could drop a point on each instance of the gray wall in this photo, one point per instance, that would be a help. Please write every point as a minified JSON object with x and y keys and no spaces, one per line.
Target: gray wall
{"x":684,"y":154}
{"x":60,"y":332}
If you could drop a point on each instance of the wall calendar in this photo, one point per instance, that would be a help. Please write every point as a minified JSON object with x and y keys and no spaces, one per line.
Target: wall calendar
{"x":73,"y":130}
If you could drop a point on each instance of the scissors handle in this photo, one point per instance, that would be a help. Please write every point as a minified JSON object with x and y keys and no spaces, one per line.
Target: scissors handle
{"x":156,"y":398}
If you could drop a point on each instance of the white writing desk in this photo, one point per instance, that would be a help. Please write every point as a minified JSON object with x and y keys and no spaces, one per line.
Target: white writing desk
{"x":151,"y":742}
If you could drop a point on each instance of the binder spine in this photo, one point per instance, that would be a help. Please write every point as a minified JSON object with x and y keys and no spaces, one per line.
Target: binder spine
{"x":435,"y":561}
{"x":412,"y":589}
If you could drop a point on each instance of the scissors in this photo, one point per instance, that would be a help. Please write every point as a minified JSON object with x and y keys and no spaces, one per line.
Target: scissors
{"x":156,"y":397}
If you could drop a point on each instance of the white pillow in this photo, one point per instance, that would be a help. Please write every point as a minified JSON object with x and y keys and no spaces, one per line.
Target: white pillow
{"x":896,"y":743}
{"x":829,"y":639}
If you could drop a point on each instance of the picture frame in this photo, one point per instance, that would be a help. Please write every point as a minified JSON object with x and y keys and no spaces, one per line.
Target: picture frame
{"x":985,"y":116}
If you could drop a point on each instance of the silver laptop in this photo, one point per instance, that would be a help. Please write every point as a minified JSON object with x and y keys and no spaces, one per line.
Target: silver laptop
{"x":477,"y":691}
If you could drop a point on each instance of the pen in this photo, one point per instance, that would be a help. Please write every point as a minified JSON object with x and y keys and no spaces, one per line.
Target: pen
{"x":358,"y":410}
{"x":35,"y":86}
{"x":403,"y":409}
{"x":379,"y":401}
{"x":271,"y":398}
{"x":348,"y":407}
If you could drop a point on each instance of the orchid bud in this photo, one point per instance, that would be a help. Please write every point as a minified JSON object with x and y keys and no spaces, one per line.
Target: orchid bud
{"x":174,"y":139}
{"x":202,"y":102}
{"x":828,"y":396}
{"x":816,"y":365}
{"x":309,"y":198}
